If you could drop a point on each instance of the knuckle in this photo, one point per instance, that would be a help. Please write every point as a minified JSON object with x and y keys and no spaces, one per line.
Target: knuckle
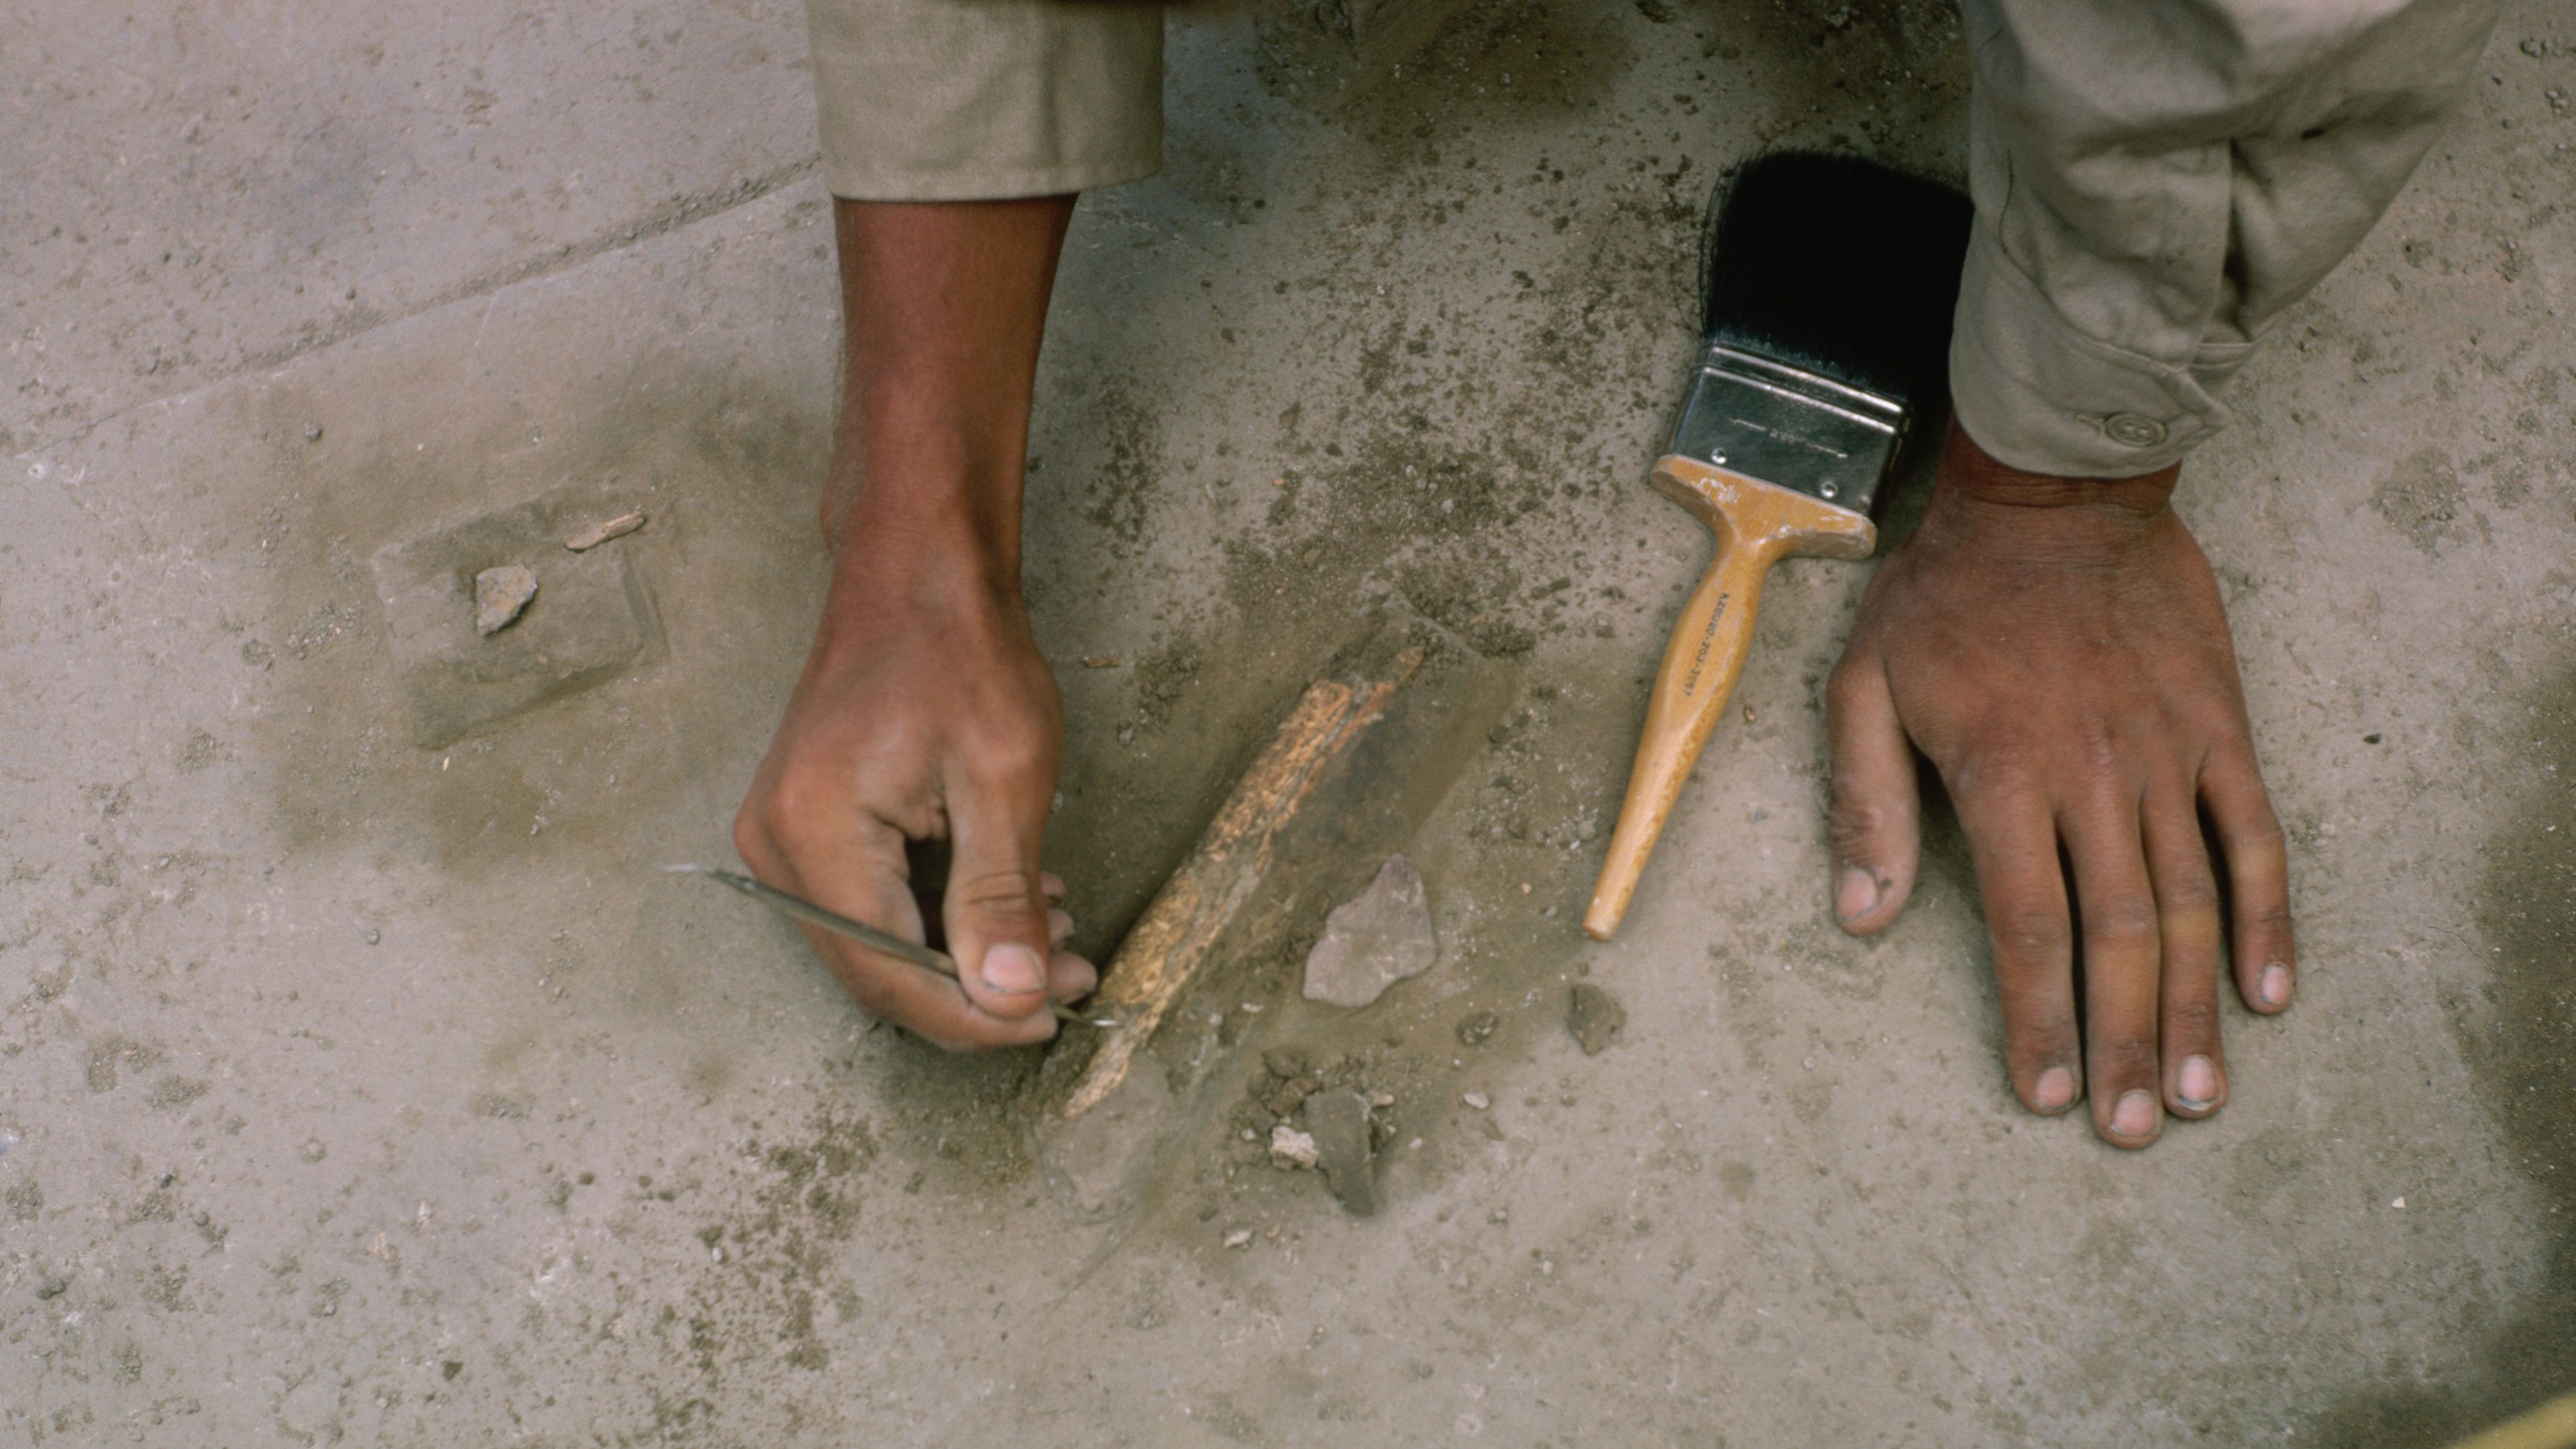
{"x":2123,"y":920}
{"x":1014,"y":757}
{"x":1005,"y":899}
{"x":2188,"y":891}
{"x":2271,"y":917}
{"x":2008,"y":762}
{"x":799,"y":804}
{"x":2030,"y":935}
{"x":1846,"y":684}
{"x":2262,"y":841}
{"x":2100,"y":746}
{"x":2038,"y":1024}
{"x":2133,"y":1050}
{"x":2193,"y":1018}
{"x":1853,"y":823}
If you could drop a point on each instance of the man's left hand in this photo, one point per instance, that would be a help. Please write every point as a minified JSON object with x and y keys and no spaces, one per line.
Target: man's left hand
{"x":2057,"y":649}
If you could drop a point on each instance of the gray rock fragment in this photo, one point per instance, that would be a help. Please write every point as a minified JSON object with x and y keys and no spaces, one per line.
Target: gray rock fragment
{"x":1338,"y":1122}
{"x":1594,"y":1016}
{"x":501,"y":595}
{"x":1374,"y":940}
{"x":1097,"y":1162}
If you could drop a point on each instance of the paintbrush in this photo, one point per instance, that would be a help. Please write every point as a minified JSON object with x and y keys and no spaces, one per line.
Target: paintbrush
{"x":859,"y":931}
{"x":1829,"y":287}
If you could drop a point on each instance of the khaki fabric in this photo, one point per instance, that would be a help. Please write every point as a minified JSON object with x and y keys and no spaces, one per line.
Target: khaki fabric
{"x":2156,"y":180}
{"x":965,"y":100}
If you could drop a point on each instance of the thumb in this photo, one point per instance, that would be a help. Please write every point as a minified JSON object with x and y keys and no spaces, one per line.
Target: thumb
{"x":996,"y":907}
{"x":1876,"y":805}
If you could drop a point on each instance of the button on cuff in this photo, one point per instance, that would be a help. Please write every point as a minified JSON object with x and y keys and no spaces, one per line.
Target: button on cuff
{"x":2133,"y":430}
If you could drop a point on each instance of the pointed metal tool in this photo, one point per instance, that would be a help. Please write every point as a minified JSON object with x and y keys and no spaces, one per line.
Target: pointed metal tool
{"x":859,"y":931}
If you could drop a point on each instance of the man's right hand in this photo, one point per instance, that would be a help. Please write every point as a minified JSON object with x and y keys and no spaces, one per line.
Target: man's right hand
{"x":924,"y":712}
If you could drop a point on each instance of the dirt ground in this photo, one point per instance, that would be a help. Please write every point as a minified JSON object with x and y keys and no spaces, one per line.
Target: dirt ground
{"x":356,"y":1091}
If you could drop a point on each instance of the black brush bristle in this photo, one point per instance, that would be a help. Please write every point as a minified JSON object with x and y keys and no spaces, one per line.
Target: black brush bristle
{"x":1841,"y":266}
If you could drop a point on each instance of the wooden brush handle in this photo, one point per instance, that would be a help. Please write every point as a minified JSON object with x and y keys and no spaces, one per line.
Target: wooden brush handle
{"x":1756,"y":525}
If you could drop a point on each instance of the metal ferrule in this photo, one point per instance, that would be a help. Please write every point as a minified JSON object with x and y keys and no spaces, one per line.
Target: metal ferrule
{"x":1785,"y":425}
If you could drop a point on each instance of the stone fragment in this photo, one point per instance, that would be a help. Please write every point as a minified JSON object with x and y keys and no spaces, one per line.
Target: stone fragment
{"x":1594,"y":1016}
{"x":1097,"y":1162}
{"x":1374,"y":940}
{"x":1290,"y":1148}
{"x":1475,"y":1029}
{"x":1338,"y":1124}
{"x":598,"y":622}
{"x":1477,"y":1100}
{"x":585,"y":539}
{"x":1287,"y":1063}
{"x":501,"y":595}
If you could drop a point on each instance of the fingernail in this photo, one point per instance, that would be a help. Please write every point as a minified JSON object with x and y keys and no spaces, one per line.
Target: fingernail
{"x":1012,"y":967}
{"x":2055,"y":1090}
{"x":1855,"y":893}
{"x":2274,"y":989}
{"x":2197,"y":1083}
{"x":2134,"y":1115}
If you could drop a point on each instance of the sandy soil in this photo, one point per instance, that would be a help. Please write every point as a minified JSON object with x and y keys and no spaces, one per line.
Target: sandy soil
{"x":358,"y":1092}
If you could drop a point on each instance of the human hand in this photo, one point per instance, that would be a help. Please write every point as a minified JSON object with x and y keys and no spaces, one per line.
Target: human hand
{"x":925,"y":712}
{"x":2058,"y":650}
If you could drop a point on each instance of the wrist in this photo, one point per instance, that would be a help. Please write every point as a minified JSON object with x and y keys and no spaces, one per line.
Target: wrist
{"x":923,"y":549}
{"x":1971,"y":475}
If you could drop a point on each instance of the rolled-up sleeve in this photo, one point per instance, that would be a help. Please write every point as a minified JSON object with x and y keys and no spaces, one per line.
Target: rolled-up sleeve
{"x":976,"y":100}
{"x":2156,"y":181}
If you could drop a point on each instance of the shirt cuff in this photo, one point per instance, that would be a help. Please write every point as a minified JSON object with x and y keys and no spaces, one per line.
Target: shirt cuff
{"x":985,"y":100}
{"x":2041,"y":396}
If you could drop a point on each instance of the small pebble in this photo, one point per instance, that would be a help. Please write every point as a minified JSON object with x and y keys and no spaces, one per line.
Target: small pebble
{"x":374,"y":935}
{"x":501,"y":595}
{"x":1291,"y":1149}
{"x":1478,"y":1100}
{"x":599,"y":533}
{"x":1240,"y":1237}
{"x":1594,"y":1016}
{"x":312,"y":432}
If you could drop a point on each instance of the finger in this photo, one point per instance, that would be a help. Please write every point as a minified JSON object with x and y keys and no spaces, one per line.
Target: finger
{"x":2013,"y":842}
{"x":1051,"y":886}
{"x":2187,"y":928}
{"x":1876,"y":807}
{"x":2258,"y":878}
{"x":860,"y":871}
{"x":995,"y":909}
{"x":1070,"y":978}
{"x":2123,"y":964}
{"x":1059,"y":926}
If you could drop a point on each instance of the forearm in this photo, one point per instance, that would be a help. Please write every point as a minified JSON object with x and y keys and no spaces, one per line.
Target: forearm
{"x":944,"y":307}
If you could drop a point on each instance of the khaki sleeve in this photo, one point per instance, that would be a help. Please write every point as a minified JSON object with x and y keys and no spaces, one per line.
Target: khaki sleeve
{"x":2156,"y":180}
{"x":978,"y":100}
